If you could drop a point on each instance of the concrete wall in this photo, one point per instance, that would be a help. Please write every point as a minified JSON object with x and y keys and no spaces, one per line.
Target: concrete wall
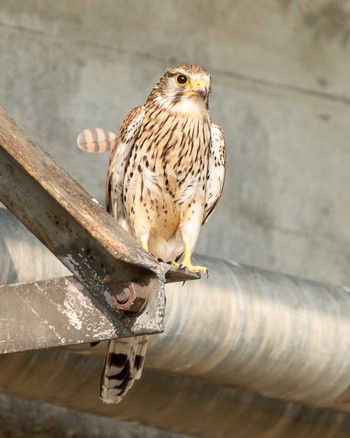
{"x":280,"y":72}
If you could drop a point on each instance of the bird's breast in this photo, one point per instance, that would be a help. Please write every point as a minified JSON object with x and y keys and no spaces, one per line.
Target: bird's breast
{"x":167,"y":168}
{"x":178,"y":151}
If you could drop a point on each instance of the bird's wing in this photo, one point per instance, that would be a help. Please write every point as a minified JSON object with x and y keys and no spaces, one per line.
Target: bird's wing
{"x":216,"y":170}
{"x":123,"y":364}
{"x":119,"y":157}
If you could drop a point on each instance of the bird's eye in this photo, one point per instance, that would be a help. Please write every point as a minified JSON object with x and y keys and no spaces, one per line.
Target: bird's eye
{"x":181,"y":79}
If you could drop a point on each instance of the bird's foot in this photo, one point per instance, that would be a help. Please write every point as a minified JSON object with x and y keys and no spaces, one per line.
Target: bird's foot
{"x":175,"y":264}
{"x":190,"y":267}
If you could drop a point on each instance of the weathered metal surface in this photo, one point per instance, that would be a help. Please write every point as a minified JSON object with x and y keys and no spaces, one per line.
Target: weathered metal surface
{"x":58,"y":312}
{"x":176,"y":275}
{"x":166,"y":401}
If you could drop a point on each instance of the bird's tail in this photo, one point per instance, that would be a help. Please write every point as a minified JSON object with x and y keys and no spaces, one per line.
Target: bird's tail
{"x":96,"y":140}
{"x":123,"y":364}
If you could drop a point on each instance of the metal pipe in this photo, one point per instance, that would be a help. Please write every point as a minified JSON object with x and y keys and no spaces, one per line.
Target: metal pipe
{"x":275,"y":334}
{"x":165,"y":401}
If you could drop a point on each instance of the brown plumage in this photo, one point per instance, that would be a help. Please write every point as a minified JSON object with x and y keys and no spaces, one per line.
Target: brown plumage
{"x":165,"y":177}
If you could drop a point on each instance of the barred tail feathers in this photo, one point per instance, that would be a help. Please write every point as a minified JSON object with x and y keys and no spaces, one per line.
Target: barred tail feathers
{"x":96,"y":140}
{"x":123,"y":364}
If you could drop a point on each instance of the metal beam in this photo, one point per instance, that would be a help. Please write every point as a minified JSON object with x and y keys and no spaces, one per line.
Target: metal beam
{"x":57,"y":312}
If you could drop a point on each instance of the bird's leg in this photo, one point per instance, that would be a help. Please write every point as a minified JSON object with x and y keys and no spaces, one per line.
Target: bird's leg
{"x":144,"y":242}
{"x":187,"y":263}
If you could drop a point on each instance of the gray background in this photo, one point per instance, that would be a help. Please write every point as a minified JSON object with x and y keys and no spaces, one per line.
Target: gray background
{"x":280,"y":89}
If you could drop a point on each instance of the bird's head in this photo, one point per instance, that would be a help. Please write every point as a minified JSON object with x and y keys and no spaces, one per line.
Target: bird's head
{"x":184,"y":89}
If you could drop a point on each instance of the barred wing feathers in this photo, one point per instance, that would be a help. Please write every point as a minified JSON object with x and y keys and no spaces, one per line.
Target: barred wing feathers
{"x":119,"y":158}
{"x":216,"y":170}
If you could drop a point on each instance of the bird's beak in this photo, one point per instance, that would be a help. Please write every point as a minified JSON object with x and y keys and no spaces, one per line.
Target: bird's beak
{"x":200,"y":88}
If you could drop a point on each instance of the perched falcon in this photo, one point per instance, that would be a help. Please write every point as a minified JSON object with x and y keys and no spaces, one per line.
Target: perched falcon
{"x":165,"y":176}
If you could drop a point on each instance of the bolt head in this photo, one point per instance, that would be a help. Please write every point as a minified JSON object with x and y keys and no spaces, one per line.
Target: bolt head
{"x":129,"y":296}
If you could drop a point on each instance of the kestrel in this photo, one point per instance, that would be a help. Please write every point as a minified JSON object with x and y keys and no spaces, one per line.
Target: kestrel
{"x":165,"y":177}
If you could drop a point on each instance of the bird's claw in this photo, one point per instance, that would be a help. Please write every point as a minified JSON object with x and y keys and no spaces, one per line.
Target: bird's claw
{"x":201,"y":269}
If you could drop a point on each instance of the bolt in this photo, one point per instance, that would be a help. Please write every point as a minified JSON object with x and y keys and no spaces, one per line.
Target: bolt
{"x":129,"y":296}
{"x":123,"y":296}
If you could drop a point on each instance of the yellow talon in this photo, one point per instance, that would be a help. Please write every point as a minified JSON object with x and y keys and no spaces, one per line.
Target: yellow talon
{"x":174,"y":264}
{"x":187,"y":264}
{"x":194,"y":268}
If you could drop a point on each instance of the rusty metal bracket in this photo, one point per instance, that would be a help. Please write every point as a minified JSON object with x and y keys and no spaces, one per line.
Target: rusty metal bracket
{"x":78,"y":231}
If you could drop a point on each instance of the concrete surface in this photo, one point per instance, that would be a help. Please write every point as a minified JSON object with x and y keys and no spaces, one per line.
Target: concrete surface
{"x":280,"y":90}
{"x":24,"y":418}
